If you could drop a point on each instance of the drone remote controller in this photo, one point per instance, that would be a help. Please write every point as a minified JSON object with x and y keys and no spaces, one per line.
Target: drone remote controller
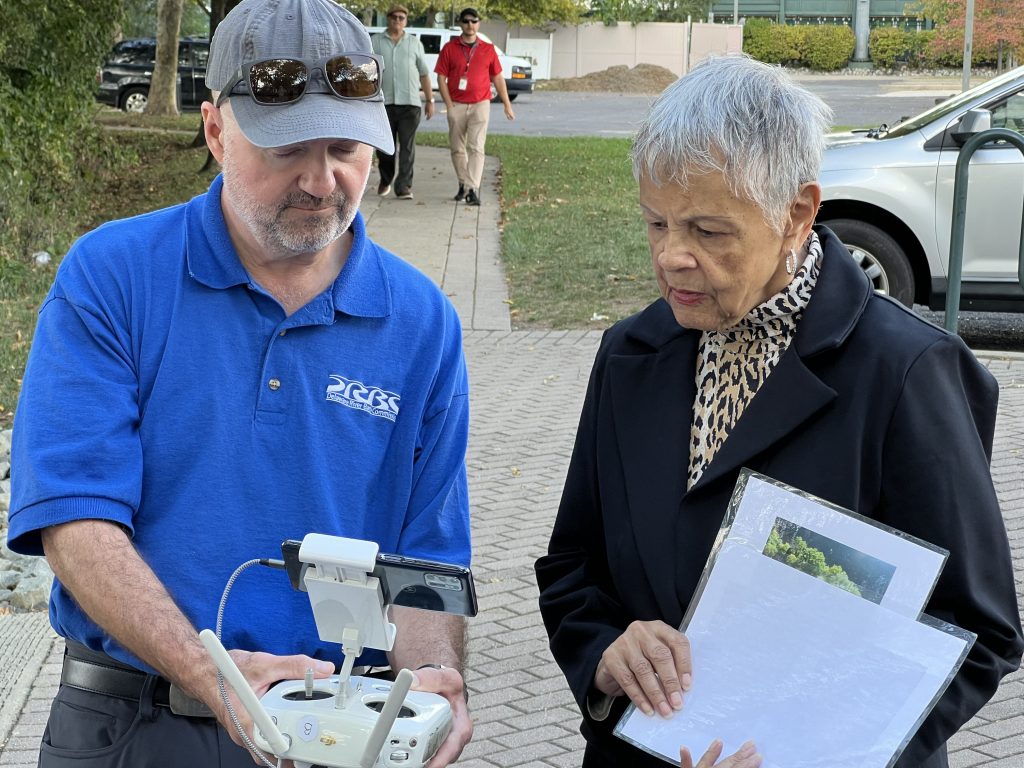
{"x":343,"y":721}
{"x":381,"y":724}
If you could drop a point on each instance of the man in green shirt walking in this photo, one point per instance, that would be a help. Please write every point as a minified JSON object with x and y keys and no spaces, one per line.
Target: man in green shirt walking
{"x":405,"y":73}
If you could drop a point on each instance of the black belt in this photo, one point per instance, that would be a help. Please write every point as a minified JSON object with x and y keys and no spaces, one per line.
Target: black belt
{"x":88,"y":670}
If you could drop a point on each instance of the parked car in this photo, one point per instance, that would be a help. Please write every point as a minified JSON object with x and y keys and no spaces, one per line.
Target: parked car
{"x":888,"y":194}
{"x":518,"y":72}
{"x":123,"y":81}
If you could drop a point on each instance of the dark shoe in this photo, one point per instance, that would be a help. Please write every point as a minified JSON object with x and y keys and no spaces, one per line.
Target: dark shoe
{"x":405,"y":194}
{"x":461,"y":194}
{"x":472,"y":198}
{"x":383,"y":189}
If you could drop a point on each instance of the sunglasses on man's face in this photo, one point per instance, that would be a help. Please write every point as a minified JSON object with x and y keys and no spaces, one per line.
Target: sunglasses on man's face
{"x":470,"y":21}
{"x":273,"y":82}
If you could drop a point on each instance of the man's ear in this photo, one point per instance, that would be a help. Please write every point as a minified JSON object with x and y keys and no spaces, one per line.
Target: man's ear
{"x":213,"y":128}
{"x":802,"y":211}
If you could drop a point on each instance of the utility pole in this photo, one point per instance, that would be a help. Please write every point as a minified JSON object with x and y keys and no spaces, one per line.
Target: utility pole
{"x":965,"y":81}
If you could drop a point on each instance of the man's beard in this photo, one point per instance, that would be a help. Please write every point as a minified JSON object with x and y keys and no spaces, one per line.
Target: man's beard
{"x":284,"y":229}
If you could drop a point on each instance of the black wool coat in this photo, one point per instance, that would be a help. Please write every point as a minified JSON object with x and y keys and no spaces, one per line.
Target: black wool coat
{"x":871,"y":408}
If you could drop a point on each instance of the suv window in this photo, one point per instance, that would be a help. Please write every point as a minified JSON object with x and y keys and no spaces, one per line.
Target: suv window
{"x":1009,"y":113}
{"x":200,"y":54}
{"x":431,"y":43}
{"x":133,"y":52}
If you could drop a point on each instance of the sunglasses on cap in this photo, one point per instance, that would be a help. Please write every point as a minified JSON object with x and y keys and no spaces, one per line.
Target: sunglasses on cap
{"x":283,"y":81}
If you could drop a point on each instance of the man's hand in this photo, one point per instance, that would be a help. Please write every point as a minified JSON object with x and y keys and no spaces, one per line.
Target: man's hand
{"x":745,"y":757}
{"x":650,"y":663}
{"x":428,"y":108}
{"x":448,"y":682}
{"x":508,"y":111}
{"x":262,"y":670}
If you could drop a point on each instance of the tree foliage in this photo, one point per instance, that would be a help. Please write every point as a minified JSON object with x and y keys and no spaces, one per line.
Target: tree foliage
{"x":635,"y":11}
{"x":800,"y":555}
{"x":995,"y":22}
{"x":49,"y":56}
{"x":140,"y":18}
{"x":536,"y":13}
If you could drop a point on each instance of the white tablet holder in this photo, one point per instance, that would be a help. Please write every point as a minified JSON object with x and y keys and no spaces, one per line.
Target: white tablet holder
{"x":342,"y":721}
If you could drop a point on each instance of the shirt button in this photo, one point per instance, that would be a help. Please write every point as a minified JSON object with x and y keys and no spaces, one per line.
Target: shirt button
{"x":282,"y":333}
{"x":274,"y":384}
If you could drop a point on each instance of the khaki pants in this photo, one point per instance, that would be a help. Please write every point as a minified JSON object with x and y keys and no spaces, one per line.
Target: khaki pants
{"x":467,"y":134}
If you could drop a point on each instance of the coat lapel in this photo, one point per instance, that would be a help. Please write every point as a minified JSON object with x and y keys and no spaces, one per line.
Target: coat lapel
{"x":789,"y":396}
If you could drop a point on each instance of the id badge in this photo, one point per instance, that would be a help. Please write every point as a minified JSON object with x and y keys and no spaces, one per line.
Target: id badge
{"x":463,"y":83}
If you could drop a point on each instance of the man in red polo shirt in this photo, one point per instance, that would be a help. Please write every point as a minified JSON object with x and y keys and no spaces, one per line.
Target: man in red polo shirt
{"x":465,"y":70}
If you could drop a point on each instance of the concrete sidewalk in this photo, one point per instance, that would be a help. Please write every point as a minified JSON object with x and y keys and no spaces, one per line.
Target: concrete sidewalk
{"x":527,"y":391}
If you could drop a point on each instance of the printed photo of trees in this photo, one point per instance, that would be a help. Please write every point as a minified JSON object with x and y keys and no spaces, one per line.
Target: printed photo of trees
{"x":829,"y":560}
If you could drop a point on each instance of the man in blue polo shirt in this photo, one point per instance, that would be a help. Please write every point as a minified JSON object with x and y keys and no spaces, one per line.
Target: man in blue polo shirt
{"x":211,"y":379}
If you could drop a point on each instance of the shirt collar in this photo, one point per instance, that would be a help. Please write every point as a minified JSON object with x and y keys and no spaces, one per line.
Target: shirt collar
{"x":361,"y":289}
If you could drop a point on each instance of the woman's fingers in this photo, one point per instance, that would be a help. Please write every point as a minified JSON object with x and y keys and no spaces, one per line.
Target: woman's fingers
{"x":650,"y":663}
{"x":745,"y":757}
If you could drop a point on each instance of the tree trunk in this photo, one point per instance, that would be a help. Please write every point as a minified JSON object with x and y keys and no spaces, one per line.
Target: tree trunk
{"x":163,"y":90}
{"x":218,"y":10}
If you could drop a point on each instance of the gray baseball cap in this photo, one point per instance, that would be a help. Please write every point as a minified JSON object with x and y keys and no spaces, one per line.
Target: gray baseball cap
{"x":256,"y":30}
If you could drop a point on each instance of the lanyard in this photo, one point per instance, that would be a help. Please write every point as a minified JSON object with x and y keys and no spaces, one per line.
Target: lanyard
{"x":468,"y":56}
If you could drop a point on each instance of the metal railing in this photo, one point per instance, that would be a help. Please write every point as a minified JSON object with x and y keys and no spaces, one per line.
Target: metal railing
{"x":956,"y":235}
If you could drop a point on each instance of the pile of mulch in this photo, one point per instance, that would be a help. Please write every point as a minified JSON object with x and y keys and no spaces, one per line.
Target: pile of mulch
{"x":643,"y":78}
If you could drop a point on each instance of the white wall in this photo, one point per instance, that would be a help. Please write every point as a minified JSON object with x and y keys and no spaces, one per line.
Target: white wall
{"x":580,"y":50}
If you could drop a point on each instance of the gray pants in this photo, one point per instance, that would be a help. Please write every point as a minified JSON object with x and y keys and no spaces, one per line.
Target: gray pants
{"x":92,"y":730}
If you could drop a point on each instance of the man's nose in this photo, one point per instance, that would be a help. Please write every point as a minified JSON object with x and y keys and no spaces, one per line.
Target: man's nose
{"x":318,"y":176}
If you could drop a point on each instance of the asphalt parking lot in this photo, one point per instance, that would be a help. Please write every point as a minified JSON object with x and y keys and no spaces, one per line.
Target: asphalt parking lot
{"x":857,"y":101}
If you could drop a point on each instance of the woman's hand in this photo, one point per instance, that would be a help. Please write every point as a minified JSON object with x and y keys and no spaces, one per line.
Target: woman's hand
{"x":745,"y":757}
{"x":650,"y":663}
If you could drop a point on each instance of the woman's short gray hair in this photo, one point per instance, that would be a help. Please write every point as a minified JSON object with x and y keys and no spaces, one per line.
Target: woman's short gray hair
{"x":748,"y":120}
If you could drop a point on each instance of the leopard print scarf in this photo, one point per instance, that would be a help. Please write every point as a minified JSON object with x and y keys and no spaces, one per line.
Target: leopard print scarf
{"x":734,"y":363}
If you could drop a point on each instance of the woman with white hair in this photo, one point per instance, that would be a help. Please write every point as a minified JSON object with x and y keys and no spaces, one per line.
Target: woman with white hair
{"x":767,"y":349}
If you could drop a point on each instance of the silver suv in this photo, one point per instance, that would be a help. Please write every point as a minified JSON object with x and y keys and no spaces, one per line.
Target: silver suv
{"x":888,"y":194}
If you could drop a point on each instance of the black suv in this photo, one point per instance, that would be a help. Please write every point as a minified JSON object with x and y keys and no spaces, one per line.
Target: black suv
{"x":124,"y":79}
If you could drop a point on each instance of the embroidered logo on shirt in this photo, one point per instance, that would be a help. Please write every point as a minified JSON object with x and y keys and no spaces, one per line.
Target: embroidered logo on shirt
{"x":355,"y":394}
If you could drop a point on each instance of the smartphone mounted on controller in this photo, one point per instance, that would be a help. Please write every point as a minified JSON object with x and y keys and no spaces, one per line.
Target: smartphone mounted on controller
{"x":406,"y":581}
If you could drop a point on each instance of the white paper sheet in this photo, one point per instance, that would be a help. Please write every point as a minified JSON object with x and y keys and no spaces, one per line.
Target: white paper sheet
{"x":818,"y":676}
{"x":915,"y":565}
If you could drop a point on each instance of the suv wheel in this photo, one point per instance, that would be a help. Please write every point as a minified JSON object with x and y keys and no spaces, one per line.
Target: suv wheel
{"x":879,"y":255}
{"x":134,"y":99}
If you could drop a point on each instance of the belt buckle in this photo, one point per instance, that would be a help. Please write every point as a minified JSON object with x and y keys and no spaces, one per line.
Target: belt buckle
{"x":184,"y":705}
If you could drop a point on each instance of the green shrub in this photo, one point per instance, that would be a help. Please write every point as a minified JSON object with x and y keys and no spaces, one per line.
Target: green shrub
{"x":49,"y":53}
{"x":771,"y":43}
{"x":828,"y":47}
{"x":918,"y":43}
{"x":887,"y":45}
